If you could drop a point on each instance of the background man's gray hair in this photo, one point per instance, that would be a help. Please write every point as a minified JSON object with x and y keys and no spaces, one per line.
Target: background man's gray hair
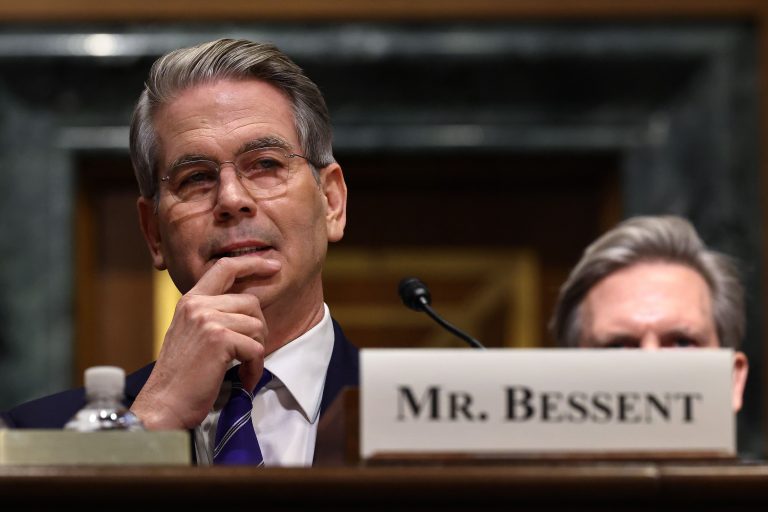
{"x":182,"y":69}
{"x":652,"y":238}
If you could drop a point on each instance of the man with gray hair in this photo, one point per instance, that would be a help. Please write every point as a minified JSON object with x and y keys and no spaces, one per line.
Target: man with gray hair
{"x":240,"y":195}
{"x":651,"y":283}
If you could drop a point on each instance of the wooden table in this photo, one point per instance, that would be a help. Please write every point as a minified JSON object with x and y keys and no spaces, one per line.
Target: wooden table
{"x":526,"y":486}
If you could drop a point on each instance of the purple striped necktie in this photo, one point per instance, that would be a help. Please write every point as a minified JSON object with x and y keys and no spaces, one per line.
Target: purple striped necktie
{"x":236,"y":442}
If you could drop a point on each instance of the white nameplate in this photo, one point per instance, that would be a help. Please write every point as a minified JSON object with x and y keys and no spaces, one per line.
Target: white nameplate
{"x":552,"y":401}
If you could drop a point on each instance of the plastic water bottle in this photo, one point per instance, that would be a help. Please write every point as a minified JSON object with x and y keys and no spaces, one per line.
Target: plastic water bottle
{"x":104,"y":410}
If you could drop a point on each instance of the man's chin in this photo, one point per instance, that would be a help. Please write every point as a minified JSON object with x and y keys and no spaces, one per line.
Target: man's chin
{"x":252,"y":285}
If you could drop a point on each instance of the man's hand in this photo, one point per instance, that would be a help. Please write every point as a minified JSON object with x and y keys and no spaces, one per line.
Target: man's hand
{"x":209,"y":329}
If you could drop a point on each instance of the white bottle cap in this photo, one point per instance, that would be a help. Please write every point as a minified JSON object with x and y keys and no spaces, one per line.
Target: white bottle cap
{"x":104,"y":381}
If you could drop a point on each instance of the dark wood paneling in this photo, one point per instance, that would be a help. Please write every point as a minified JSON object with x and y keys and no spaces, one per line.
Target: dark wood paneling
{"x":114,"y":273}
{"x":553,"y":204}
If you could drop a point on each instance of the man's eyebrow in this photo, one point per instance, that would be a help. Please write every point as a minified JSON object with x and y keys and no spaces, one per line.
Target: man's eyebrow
{"x":264,"y":142}
{"x":261,"y":142}
{"x":607,"y":339}
{"x":190,"y":157}
{"x":692,"y":334}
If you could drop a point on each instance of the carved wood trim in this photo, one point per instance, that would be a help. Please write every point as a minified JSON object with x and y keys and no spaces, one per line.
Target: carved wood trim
{"x":483,"y":284}
{"x":345,"y":10}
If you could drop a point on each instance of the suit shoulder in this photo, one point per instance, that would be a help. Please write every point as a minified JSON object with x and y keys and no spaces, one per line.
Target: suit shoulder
{"x":51,"y":411}
{"x":54,"y":411}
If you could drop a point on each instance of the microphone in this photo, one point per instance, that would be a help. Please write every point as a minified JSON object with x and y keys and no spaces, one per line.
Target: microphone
{"x":416,"y":296}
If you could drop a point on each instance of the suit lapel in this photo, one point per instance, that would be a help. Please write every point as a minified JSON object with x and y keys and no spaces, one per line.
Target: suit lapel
{"x":343,"y":369}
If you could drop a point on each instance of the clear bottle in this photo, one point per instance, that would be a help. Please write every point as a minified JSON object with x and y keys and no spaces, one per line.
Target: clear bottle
{"x":104,"y":410}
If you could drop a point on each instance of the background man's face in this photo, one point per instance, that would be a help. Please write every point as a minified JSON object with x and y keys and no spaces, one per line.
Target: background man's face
{"x":649,"y":305}
{"x":655,"y":305}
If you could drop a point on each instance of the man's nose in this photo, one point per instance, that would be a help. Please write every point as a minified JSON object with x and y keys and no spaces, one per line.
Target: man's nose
{"x":650,"y":341}
{"x":232,"y":197}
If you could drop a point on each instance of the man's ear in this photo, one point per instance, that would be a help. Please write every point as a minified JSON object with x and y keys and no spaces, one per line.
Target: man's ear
{"x":334,"y":190}
{"x":740,"y":370}
{"x":151,"y":230}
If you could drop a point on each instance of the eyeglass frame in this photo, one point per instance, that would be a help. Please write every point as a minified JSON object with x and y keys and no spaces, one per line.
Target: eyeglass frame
{"x":218,"y":166}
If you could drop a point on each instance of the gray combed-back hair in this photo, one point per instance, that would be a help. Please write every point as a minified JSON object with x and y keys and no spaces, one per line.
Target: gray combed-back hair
{"x":223,"y":59}
{"x":652,"y":238}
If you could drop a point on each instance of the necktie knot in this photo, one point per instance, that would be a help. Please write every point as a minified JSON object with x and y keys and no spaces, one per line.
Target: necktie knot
{"x":235,"y":441}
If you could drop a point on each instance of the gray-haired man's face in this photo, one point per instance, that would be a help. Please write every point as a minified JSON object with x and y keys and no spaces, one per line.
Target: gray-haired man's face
{"x":649,"y":305}
{"x":654,"y":305}
{"x":220,"y":122}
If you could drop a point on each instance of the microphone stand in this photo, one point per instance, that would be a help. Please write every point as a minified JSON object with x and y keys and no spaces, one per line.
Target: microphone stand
{"x":416,"y":296}
{"x":455,"y":330}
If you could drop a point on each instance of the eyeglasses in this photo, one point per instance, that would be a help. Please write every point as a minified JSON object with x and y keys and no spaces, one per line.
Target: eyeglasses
{"x":263,"y":171}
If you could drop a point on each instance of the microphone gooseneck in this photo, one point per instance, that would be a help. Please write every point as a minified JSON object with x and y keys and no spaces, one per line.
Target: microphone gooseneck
{"x":415,"y":295}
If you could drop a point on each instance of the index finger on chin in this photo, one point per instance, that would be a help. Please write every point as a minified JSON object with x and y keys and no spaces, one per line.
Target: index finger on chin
{"x":221,"y":276}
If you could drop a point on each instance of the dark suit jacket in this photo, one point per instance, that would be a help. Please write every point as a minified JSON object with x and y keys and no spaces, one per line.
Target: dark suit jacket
{"x":54,"y":411}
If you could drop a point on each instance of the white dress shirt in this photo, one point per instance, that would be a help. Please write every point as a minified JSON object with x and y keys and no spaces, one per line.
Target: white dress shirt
{"x":286,"y":410}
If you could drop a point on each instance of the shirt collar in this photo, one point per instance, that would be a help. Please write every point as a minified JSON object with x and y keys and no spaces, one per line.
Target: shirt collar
{"x":301,"y":365}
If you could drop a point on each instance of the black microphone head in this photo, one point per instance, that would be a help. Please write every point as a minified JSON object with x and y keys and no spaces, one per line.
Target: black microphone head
{"x":414,"y":293}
